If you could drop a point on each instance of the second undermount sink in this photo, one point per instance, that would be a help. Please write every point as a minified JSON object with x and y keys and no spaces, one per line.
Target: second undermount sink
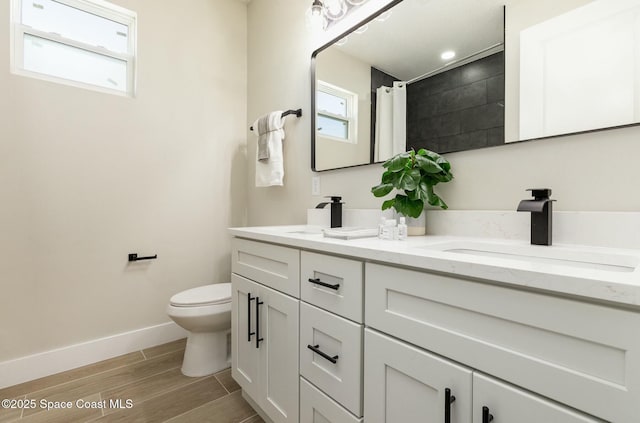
{"x":573,"y":256}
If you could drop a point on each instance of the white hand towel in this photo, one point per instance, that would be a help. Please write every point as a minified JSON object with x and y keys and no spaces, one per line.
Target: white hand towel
{"x":269,"y":157}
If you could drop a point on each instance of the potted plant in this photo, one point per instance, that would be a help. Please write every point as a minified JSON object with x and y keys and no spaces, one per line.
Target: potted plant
{"x":413,"y":175}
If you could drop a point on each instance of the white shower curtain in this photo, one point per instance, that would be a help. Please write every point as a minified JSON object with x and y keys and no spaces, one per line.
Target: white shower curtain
{"x":391,"y":121}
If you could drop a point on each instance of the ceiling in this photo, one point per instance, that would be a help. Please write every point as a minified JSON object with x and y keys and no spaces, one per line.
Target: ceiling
{"x":420,"y":30}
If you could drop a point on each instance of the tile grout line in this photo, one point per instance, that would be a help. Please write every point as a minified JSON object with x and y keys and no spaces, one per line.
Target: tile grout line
{"x":220,"y":382}
{"x":102,"y":409}
{"x":22,"y":410}
{"x":248,"y":418}
{"x":202,"y":405}
{"x":166,"y":391}
{"x":76,"y":379}
{"x":99,"y":373}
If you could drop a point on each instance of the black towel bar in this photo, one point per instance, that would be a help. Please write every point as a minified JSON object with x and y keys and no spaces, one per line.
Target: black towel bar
{"x":298,"y":113}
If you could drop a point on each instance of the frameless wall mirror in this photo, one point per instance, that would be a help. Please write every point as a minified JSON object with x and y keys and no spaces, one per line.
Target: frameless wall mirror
{"x":454,"y":75}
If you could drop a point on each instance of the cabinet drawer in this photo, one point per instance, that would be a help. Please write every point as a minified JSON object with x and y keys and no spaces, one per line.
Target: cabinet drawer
{"x":573,"y":352}
{"x":316,"y":407}
{"x":272,"y":265}
{"x":339,"y":340}
{"x":507,"y":403}
{"x":344,"y":296}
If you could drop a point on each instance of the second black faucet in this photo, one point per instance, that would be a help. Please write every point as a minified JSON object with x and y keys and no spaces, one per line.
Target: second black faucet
{"x":541,"y":208}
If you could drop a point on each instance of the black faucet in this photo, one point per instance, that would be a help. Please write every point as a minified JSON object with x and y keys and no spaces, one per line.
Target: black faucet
{"x":541,"y":215}
{"x":336,"y":210}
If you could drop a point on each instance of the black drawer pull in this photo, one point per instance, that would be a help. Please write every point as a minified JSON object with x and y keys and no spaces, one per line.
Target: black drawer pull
{"x":448,"y":399}
{"x":315,"y":349}
{"x":249,"y":333}
{"x":258,"y":338}
{"x":486,"y":416}
{"x":317,"y":281}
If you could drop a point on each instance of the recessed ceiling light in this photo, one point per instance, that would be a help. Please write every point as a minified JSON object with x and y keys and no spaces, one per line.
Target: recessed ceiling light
{"x":449,"y":54}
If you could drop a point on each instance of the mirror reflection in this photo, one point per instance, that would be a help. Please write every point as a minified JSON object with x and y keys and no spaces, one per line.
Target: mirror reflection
{"x":446,"y":75}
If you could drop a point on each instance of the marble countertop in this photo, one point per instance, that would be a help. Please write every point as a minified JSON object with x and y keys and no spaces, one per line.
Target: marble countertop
{"x":422,"y":252}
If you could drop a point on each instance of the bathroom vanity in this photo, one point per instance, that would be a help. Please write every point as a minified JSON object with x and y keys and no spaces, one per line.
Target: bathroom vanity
{"x":435,"y":329}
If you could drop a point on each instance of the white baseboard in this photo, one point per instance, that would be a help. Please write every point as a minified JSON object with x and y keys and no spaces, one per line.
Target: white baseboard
{"x":47,"y":363}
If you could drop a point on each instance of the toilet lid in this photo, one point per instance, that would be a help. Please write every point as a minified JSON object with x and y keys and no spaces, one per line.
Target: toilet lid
{"x":218,"y":293}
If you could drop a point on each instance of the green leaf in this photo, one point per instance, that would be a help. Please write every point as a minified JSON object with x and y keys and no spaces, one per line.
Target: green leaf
{"x":409,"y":179}
{"x":428,"y":165}
{"x":388,"y":204}
{"x":398,"y":162}
{"x":382,"y":190}
{"x":434,"y":200}
{"x":388,"y":177}
{"x":408,"y":207}
{"x":421,"y":191}
{"x":444,"y":164}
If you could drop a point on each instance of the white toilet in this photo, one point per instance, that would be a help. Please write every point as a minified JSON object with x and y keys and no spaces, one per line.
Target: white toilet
{"x":205,"y":312}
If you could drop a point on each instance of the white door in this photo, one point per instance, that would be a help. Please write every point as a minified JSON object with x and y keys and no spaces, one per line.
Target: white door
{"x":277,"y":332}
{"x":244,"y":354}
{"x":498,"y":402}
{"x":403,"y":384}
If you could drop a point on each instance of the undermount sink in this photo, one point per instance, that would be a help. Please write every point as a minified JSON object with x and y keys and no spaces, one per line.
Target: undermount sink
{"x":577,"y":257}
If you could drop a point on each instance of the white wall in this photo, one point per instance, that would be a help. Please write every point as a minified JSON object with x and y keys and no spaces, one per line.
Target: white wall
{"x":86,"y":178}
{"x":597,"y":171}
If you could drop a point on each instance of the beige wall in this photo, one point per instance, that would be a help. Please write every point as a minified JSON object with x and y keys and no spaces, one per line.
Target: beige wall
{"x":597,"y":171}
{"x":86,"y":178}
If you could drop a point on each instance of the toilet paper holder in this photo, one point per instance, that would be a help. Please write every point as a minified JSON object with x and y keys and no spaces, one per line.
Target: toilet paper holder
{"x":134,"y":257}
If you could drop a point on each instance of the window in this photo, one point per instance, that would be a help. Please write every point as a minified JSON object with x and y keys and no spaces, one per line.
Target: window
{"x":336,"y":113}
{"x":85,"y":43}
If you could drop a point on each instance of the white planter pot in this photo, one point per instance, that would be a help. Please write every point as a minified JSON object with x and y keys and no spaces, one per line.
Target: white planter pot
{"x":417,"y":226}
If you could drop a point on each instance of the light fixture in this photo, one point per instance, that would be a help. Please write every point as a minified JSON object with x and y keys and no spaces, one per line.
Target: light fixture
{"x":448,"y":55}
{"x":322,"y":14}
{"x":335,"y":9}
{"x":315,"y":18}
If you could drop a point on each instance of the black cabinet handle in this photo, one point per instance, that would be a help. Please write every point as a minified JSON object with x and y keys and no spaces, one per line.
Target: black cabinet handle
{"x":448,"y":399}
{"x":315,"y":349}
{"x":486,"y":416}
{"x":249,"y":333}
{"x":317,"y":281}
{"x":258,"y":338}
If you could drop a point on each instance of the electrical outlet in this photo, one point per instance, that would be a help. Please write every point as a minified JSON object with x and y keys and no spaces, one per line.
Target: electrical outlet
{"x":315,"y":185}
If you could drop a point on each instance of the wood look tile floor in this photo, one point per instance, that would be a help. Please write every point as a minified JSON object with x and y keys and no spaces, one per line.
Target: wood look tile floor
{"x":147,"y":384}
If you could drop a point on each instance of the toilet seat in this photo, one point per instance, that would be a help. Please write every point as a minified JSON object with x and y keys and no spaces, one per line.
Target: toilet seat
{"x":219,"y":293}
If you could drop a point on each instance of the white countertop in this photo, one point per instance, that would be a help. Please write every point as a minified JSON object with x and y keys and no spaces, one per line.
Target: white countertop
{"x":421,"y":253}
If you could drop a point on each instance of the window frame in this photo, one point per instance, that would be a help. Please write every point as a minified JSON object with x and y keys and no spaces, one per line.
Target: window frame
{"x":351,"y":119}
{"x":95,"y":7}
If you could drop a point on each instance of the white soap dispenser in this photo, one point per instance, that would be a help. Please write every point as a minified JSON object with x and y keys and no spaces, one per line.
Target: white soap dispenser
{"x":383,"y":221}
{"x":402,"y":228}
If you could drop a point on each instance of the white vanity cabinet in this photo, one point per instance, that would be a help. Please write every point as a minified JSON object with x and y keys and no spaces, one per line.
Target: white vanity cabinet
{"x":265,"y":325}
{"x":355,"y":333}
{"x":574,"y":353}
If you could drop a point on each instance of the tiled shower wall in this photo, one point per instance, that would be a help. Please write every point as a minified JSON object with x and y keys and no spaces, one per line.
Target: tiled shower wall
{"x":460,"y":109}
